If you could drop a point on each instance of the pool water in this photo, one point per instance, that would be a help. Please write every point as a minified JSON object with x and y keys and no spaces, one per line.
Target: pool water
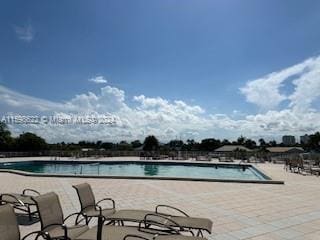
{"x":141,"y":169}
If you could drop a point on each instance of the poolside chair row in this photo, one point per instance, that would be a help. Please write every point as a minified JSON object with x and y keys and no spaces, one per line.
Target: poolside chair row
{"x":147,"y":229}
{"x":90,"y":208}
{"x":298,"y":165}
{"x":151,"y":224}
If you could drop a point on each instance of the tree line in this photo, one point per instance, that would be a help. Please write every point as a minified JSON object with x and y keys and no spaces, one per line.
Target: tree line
{"x":24,"y":142}
{"x":31,"y":142}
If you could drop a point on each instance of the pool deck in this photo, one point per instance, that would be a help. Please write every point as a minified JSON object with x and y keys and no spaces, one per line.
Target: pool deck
{"x":238,"y":211}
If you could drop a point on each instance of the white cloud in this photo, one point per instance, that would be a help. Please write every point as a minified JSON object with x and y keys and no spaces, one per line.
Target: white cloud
{"x":98,"y":79}
{"x":13,"y":99}
{"x":166,"y":119}
{"x":150,"y":116}
{"x":150,"y":102}
{"x":266,"y":91}
{"x":25,"y":33}
{"x":307,"y":87}
{"x":110,"y":99}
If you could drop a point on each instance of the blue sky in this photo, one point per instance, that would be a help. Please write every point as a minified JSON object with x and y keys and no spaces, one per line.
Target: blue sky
{"x":202,"y":53}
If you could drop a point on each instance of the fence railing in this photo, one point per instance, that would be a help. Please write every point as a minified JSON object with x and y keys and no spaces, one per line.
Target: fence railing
{"x":178,"y":155}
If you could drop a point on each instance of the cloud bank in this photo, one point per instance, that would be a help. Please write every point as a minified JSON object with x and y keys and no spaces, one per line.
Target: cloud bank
{"x":143,"y":115}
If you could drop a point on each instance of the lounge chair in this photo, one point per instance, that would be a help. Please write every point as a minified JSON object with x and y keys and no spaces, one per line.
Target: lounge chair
{"x":152,"y":227}
{"x":86,"y":198}
{"x":162,"y":237}
{"x":53,"y":222}
{"x":21,"y":201}
{"x":186,"y":222}
{"x":315,"y":169}
{"x":226,"y":159}
{"x":203,"y":158}
{"x":89,"y":207}
{"x":295,"y":165}
{"x":9,"y":229}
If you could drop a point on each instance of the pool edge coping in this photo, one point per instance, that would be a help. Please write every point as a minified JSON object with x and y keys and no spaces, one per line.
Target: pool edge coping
{"x":29,"y":174}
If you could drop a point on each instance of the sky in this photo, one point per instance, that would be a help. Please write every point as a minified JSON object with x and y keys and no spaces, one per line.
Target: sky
{"x":174,"y":69}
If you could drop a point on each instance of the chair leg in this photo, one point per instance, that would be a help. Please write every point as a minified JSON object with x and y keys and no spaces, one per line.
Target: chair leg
{"x":29,"y":213}
{"x":100,"y":225}
{"x":199,"y":233}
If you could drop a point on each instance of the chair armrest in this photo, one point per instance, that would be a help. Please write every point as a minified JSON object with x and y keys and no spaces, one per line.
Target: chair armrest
{"x":108,"y":199}
{"x":72,"y":214}
{"x":10,"y":195}
{"x":92,"y":205}
{"x":95,"y":206}
{"x":29,"y":190}
{"x":55,"y":224}
{"x":168,"y":223}
{"x":170,"y":207}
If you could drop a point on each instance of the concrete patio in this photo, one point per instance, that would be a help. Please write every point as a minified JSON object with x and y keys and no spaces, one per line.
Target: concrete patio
{"x":238,"y":211}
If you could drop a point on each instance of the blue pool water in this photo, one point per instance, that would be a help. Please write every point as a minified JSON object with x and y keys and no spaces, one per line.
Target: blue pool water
{"x":140,"y":169}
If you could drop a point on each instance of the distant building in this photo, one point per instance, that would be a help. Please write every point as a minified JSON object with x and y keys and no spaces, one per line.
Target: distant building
{"x":285,"y":149}
{"x":86,"y":149}
{"x":288,"y":140}
{"x":232,"y":148}
{"x":304,"y":139}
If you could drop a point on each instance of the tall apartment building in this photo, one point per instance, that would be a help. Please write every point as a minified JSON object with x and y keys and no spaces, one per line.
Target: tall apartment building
{"x":288,"y":140}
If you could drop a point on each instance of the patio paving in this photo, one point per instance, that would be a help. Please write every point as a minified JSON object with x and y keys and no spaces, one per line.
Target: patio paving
{"x":238,"y":211}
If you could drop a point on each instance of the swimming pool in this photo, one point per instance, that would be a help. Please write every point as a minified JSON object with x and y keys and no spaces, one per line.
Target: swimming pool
{"x":141,"y":169}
